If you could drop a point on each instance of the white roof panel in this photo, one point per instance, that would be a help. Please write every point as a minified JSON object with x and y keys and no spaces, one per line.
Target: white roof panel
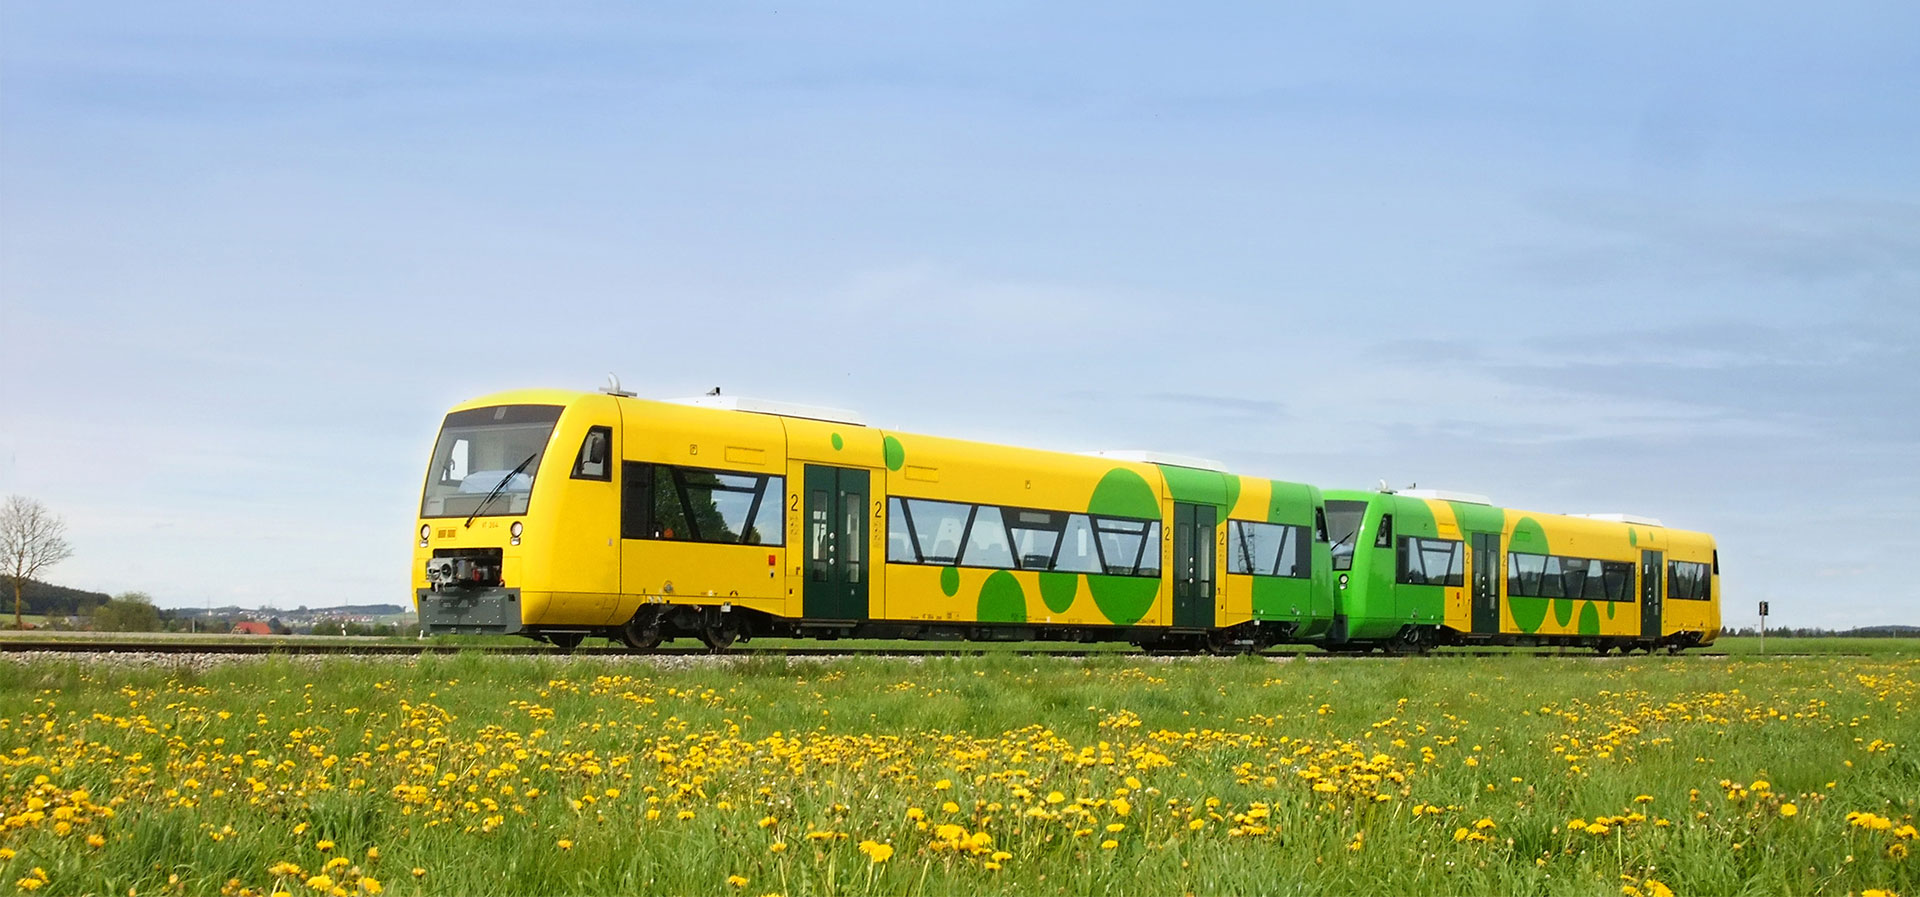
{"x":769,"y":406}
{"x":1467,"y":498}
{"x":1170,"y":460}
{"x":1622,"y":518}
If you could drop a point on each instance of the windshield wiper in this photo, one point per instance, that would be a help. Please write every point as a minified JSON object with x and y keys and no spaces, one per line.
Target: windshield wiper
{"x":1343,"y":540}
{"x":501,"y":487}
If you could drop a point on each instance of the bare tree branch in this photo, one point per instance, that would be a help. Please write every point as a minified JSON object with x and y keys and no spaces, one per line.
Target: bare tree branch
{"x":32,"y":539}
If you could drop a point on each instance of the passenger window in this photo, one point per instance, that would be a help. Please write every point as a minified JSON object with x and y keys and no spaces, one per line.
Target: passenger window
{"x":592,"y":463}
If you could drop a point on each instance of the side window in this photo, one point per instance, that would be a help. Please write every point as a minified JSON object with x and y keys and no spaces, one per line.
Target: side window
{"x":1320,"y":524}
{"x":899,"y":534}
{"x":987,"y":544}
{"x":1384,"y":539}
{"x":636,"y":500}
{"x":592,"y":463}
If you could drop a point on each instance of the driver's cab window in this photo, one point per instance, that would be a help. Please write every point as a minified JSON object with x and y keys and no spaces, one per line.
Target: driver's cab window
{"x":454,"y":468}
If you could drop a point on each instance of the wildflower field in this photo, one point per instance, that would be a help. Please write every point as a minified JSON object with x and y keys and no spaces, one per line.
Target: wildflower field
{"x":469,"y":774}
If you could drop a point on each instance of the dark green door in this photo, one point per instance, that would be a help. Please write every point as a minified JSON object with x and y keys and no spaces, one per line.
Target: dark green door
{"x":1193,"y":564}
{"x":1652,"y":590}
{"x":836,"y":544}
{"x":1487,"y":570}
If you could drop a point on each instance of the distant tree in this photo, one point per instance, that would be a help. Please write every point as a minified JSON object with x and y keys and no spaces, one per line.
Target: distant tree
{"x":31,"y":539}
{"x":127,"y":612}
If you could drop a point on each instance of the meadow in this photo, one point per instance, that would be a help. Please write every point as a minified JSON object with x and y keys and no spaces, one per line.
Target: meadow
{"x":467,"y":774}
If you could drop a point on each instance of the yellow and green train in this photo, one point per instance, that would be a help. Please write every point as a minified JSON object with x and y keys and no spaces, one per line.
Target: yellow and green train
{"x":566,"y":515}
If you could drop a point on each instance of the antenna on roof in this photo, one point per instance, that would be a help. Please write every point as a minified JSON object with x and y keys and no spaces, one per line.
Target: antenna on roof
{"x":613,"y":386}
{"x":715,"y":392}
{"x":1384,"y":488}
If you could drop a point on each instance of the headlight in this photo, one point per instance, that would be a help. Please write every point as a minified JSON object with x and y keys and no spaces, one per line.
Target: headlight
{"x":1343,"y":580}
{"x":515,"y":531}
{"x":426,"y":530}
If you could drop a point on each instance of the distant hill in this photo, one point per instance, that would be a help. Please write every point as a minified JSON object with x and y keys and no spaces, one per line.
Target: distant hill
{"x":1885,"y":631}
{"x":343,"y":610}
{"x":47,"y":599}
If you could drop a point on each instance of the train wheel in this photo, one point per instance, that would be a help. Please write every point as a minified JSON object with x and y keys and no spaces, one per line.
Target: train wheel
{"x":566,"y":641}
{"x":1411,"y":640}
{"x":1601,"y":650}
{"x":641,"y":637}
{"x":718,"y":636}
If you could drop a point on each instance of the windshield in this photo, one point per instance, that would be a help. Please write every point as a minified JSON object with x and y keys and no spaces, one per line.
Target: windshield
{"x":1343,"y":524}
{"x":477,"y":453}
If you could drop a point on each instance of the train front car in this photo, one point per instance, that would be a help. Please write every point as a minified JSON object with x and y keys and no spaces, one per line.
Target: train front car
{"x":1423,"y":568}
{"x":519,"y":492}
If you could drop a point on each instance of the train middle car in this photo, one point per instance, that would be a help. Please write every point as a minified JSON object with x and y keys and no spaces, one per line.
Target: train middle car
{"x":567,"y":515}
{"x":1419,"y":568}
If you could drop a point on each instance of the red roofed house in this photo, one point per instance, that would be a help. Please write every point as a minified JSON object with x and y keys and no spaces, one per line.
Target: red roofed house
{"x":251,"y":627}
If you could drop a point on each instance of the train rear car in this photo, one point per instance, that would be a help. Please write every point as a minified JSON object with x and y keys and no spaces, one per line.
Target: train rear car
{"x":1421,"y":568}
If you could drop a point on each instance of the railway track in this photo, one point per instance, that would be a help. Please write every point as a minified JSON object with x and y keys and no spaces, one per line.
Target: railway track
{"x":304,"y":647}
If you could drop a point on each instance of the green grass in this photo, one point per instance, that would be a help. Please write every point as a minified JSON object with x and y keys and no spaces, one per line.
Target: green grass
{"x":431,"y":761}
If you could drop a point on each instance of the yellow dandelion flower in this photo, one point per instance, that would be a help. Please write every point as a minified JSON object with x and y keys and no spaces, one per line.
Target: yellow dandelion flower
{"x":418,"y":872}
{"x":1629,"y":891}
{"x":915,"y":814}
{"x":1460,"y":834}
{"x":686,"y":815}
{"x":738,"y":881}
{"x":878,"y":852}
{"x":1054,"y":797}
{"x":1483,"y":824}
{"x":1197,"y":824}
{"x":990,"y":866}
{"x":371,"y":885}
{"x":778,"y":847}
{"x":373,"y":853}
{"x":949,"y":807}
{"x":564,"y":844}
{"x":323,"y":845}
{"x":1788,"y":809}
{"x":1656,"y":889}
{"x":1109,"y":844}
{"x":1121,"y":806}
{"x":28,"y":884}
{"x":1877,"y":892}
{"x":321,"y":883}
{"x":336,"y":863}
{"x":96,"y":840}
{"x":942,"y":785}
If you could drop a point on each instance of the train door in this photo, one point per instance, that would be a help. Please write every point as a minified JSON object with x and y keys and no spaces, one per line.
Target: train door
{"x":1486,"y":583}
{"x":1193,"y":527}
{"x":836,"y":539}
{"x":1652,"y":591}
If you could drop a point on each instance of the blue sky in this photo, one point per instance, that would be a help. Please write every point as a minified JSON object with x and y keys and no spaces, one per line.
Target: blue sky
{"x":1618,"y":258}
